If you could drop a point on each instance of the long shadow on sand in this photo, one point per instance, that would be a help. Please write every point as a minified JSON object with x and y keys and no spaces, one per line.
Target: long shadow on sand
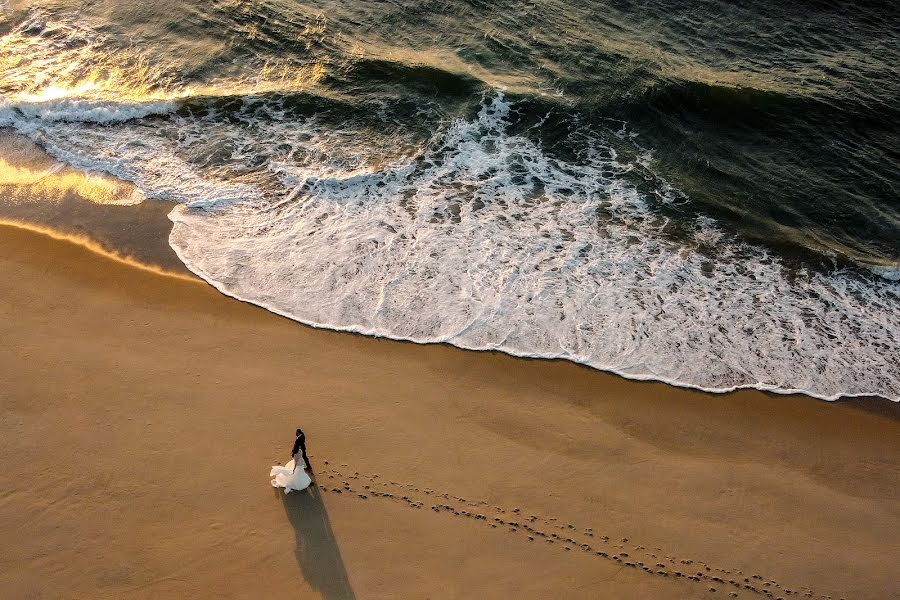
{"x":317,"y":551}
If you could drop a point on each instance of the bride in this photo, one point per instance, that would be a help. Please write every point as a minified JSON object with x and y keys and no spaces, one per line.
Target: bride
{"x":290,"y":477}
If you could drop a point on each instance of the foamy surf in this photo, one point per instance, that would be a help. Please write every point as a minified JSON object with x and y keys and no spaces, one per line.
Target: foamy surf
{"x":487,"y":243}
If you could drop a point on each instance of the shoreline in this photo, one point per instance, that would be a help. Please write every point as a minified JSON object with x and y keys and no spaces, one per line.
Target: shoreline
{"x":139,"y":234}
{"x":170,"y":401}
{"x":523,"y":356}
{"x":766,"y":389}
{"x":867,"y":400}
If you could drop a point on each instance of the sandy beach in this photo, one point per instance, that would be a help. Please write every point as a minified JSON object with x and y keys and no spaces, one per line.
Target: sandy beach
{"x":573,"y":300}
{"x":141,"y":412}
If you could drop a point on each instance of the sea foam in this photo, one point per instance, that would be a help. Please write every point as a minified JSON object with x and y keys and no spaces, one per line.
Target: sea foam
{"x":487,"y":243}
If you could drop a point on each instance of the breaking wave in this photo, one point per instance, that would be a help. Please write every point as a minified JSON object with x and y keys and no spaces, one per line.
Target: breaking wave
{"x":487,"y":243}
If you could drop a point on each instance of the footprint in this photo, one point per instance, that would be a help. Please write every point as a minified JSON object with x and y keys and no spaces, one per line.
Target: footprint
{"x":568,"y":543}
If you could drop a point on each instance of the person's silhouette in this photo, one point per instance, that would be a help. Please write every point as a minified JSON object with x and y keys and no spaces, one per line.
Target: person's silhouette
{"x":300,"y":447}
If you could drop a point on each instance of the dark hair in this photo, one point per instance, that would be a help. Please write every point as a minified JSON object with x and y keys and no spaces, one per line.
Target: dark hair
{"x":299,"y":431}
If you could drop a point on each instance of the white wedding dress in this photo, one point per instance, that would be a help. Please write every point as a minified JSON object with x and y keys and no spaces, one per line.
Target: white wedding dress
{"x":288,"y":478}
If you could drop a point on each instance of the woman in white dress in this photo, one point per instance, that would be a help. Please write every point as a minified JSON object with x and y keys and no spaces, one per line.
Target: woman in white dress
{"x":289,"y":477}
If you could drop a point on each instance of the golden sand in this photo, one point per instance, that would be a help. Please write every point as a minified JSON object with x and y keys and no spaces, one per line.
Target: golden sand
{"x":140,"y":413}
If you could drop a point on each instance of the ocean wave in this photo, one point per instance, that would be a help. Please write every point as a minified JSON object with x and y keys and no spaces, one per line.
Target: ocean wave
{"x":488,"y":243}
{"x":427,"y":79}
{"x":520,"y":228}
{"x":76,"y":110}
{"x":807,"y":176}
{"x":891,"y":273}
{"x":752,"y":106}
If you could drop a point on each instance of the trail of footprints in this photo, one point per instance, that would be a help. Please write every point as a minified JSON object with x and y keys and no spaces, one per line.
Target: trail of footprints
{"x":732,"y":583}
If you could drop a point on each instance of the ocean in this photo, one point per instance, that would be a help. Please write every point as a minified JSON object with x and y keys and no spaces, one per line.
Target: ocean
{"x":700,"y":193}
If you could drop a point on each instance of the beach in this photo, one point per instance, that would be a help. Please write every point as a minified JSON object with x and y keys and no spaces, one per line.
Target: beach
{"x":141,"y":411}
{"x":572,"y":300}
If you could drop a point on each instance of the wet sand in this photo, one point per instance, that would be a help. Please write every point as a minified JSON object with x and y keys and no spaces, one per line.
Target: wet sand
{"x":140,"y":412}
{"x":98,"y":210}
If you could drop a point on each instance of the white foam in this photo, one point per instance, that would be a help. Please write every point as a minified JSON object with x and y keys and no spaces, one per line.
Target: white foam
{"x":889,"y":273}
{"x":462,"y":247}
{"x":89,"y":111}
